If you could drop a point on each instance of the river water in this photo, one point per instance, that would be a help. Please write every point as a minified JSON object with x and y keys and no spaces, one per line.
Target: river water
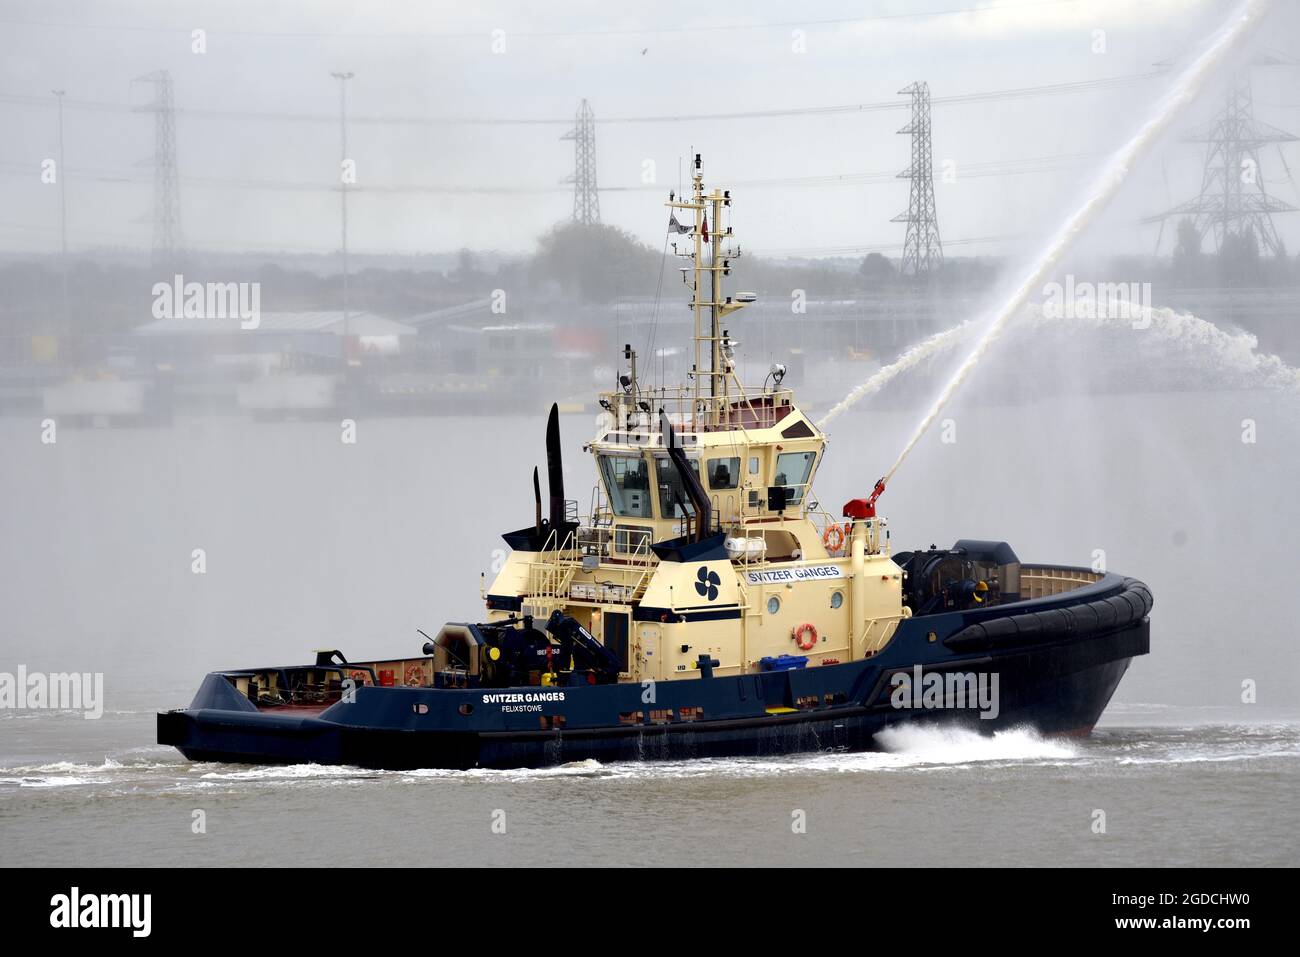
{"x":313,"y":543}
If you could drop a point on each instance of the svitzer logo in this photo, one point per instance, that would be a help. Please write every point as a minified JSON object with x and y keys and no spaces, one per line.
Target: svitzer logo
{"x":75,"y":909}
{"x":707,"y":582}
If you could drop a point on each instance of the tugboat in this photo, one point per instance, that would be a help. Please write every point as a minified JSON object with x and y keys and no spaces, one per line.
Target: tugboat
{"x":708,"y":606}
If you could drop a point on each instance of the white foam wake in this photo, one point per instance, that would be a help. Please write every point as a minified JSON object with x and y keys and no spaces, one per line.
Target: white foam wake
{"x":934,"y":744}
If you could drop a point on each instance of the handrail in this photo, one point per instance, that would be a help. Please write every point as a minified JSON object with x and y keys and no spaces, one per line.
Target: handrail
{"x":688,"y":413}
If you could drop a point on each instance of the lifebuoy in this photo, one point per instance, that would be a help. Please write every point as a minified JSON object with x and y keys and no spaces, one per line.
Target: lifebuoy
{"x":414,"y":675}
{"x":805,"y":636}
{"x":833,"y":537}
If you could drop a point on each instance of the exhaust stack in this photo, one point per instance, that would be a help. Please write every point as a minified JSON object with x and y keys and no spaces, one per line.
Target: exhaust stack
{"x":555,"y":468}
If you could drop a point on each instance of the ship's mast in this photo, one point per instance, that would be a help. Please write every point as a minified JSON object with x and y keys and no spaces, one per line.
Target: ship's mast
{"x":711,"y":342}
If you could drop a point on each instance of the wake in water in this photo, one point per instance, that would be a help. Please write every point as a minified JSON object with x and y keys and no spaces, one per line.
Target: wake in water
{"x":905,"y":749}
{"x":931,"y":744}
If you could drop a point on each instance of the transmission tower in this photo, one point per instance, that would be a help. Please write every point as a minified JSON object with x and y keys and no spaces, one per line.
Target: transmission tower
{"x":1233,"y":200}
{"x":586,"y":201}
{"x":922,"y":248}
{"x":166,"y":180}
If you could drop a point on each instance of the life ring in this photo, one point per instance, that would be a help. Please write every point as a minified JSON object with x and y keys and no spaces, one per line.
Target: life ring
{"x":805,"y":636}
{"x":415,"y":675}
{"x":833,"y":537}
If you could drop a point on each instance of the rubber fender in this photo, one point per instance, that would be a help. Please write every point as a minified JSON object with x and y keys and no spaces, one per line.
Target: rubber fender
{"x":1122,"y":609}
{"x":1029,"y":627}
{"x":1082,"y":618}
{"x":970,"y":638}
{"x":1136,"y":607}
{"x":999,"y":627}
{"x":1054,"y":622}
{"x":1135,"y":587}
{"x":1104,"y":611}
{"x":1130,"y":605}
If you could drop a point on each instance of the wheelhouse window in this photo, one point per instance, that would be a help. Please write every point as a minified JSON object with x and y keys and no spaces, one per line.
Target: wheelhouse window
{"x":627,"y":483}
{"x":792,"y":471}
{"x":673,"y":500}
{"x":724,"y":473}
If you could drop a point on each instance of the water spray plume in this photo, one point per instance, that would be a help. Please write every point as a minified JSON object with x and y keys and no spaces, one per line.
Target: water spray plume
{"x":1108,"y":184}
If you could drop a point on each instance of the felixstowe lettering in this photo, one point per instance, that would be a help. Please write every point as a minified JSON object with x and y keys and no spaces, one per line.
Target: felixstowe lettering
{"x":804,"y":573}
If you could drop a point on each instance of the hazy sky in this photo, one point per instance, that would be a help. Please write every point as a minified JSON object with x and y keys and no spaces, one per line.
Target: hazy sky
{"x":257,"y":168}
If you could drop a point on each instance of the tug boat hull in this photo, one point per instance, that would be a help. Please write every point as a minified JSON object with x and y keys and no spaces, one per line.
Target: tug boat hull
{"x":1054,"y":680}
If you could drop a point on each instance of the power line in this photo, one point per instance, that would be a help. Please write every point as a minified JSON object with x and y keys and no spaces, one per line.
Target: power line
{"x":1039,"y":164}
{"x":1049,"y":89}
{"x":545,"y":34}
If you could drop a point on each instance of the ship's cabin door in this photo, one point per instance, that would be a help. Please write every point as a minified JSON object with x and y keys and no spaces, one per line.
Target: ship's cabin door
{"x":615,"y":626}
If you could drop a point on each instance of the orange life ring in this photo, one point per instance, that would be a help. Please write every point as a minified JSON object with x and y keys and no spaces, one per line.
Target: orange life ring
{"x":415,"y":675}
{"x":833,"y":537}
{"x":805,"y":636}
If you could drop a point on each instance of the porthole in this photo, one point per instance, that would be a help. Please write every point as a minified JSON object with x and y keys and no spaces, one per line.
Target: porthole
{"x":773,"y":605}
{"x":837,"y":599}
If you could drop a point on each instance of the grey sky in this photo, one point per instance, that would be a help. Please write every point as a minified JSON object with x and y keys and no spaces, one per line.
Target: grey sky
{"x":434,"y":60}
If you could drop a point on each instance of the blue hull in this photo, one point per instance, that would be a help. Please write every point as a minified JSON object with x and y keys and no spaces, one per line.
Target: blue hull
{"x":1056,"y":662}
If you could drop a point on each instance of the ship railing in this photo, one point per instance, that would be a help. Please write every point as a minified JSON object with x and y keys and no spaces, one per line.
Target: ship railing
{"x":551,"y":574}
{"x":757,"y":408}
{"x":823,"y":520}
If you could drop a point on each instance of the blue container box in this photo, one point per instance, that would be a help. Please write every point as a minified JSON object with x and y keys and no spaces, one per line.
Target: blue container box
{"x":783,"y":663}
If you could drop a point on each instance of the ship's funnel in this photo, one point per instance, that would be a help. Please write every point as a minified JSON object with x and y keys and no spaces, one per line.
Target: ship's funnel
{"x":537,"y":501}
{"x":554,"y":467}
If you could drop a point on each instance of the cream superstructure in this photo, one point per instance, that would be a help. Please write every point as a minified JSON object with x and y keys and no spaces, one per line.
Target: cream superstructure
{"x":770,"y":574}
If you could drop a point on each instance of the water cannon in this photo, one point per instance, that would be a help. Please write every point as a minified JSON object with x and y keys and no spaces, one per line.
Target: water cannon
{"x":860,"y":508}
